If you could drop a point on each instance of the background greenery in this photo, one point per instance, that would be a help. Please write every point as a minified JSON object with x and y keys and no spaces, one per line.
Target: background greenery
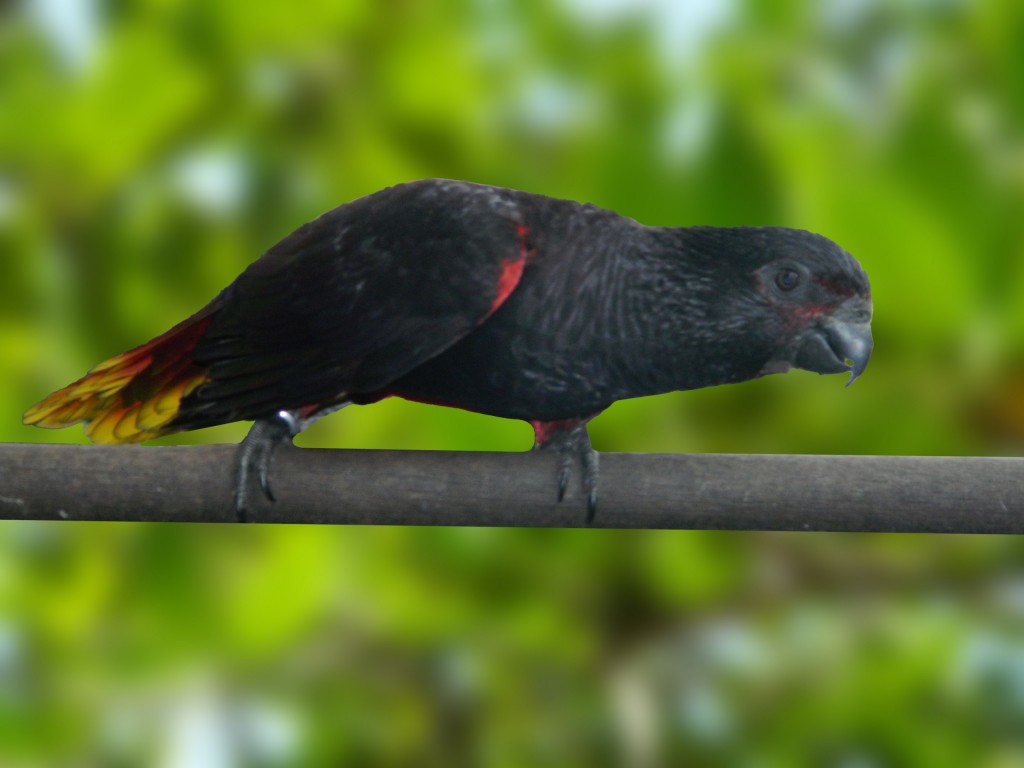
{"x":149,"y":149}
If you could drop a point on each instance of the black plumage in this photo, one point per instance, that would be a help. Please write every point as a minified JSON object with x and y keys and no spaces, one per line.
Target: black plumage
{"x":496,"y":301}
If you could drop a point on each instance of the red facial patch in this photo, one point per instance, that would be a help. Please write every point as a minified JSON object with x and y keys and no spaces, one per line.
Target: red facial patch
{"x":807,"y":313}
{"x":835,"y":287}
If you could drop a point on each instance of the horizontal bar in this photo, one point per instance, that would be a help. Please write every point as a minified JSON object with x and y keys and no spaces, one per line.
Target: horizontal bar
{"x":368,"y":487}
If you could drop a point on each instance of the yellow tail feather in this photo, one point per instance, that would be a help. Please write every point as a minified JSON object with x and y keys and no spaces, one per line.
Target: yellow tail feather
{"x":131,"y":397}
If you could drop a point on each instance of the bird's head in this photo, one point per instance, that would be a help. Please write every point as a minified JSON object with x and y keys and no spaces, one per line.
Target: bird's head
{"x":819,"y":299}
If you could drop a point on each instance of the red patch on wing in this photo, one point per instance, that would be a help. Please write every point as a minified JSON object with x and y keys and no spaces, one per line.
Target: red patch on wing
{"x":512,"y":269}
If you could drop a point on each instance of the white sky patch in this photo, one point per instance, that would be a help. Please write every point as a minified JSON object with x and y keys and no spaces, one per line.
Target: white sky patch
{"x":688,"y":127}
{"x":198,"y":732}
{"x":682,"y":29}
{"x":705,"y":715}
{"x":681,"y":32}
{"x":270,"y":732}
{"x":206,"y":728}
{"x":550,"y":103}
{"x":73,"y":27}
{"x":214,"y":180}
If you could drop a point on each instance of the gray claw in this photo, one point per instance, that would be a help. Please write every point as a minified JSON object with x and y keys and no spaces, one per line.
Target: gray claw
{"x":572,"y":445}
{"x":263,"y":475}
{"x":591,"y":471}
{"x":564,"y":474}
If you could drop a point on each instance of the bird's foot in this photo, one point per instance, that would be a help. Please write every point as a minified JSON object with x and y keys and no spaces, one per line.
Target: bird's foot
{"x":571,"y":442}
{"x":255,"y":453}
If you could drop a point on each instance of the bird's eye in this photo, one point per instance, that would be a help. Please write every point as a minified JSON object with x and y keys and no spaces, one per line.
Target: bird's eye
{"x":787,"y":279}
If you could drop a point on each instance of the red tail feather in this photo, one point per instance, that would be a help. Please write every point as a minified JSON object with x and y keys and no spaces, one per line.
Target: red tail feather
{"x":134,"y":396}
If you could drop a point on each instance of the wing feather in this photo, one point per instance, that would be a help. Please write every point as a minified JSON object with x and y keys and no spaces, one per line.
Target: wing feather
{"x":357,"y":298}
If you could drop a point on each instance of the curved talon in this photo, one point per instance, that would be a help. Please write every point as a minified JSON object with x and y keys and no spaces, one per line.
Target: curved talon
{"x":564,"y":474}
{"x":255,"y":453}
{"x":239,"y":493}
{"x":591,"y":471}
{"x":262,"y":476}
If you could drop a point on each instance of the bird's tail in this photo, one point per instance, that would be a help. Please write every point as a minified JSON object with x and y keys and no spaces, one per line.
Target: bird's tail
{"x":134,"y":396}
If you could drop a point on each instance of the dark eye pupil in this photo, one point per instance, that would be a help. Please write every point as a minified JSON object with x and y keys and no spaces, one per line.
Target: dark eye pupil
{"x":787,"y":279}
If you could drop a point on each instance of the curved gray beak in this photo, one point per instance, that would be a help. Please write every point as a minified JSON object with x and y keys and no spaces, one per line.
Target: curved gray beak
{"x":840,"y":342}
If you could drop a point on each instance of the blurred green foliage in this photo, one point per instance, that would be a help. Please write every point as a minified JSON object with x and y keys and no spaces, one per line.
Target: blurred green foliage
{"x":150,"y":149}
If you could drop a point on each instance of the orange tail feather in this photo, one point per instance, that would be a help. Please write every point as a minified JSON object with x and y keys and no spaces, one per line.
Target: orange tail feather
{"x":134,"y":396}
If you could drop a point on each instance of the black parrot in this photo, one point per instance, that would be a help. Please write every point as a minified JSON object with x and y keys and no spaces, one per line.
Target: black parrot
{"x":488,"y":299}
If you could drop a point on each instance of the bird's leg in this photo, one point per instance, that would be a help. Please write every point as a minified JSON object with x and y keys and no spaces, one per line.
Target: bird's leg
{"x":257,"y":449}
{"x":255,"y":453}
{"x":571,"y":443}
